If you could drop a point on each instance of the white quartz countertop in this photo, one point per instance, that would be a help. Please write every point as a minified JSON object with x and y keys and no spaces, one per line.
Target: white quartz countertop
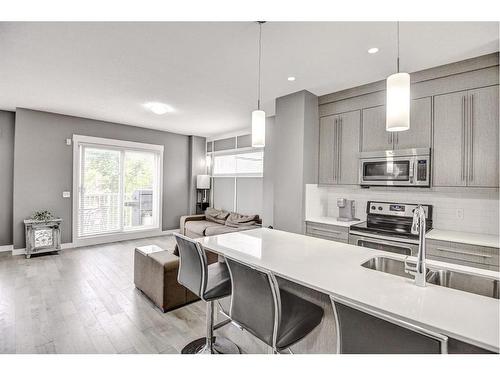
{"x":332,"y":221}
{"x":335,"y":268}
{"x":478,"y":239}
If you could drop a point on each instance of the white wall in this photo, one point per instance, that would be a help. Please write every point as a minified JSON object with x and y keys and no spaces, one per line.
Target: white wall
{"x":480,"y":208}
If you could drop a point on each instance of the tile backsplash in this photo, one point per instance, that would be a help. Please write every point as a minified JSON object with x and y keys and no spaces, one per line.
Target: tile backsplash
{"x":473,"y":211}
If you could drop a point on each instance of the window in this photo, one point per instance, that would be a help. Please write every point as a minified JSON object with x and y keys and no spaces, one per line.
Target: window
{"x":250,"y":164}
{"x":117,"y":187}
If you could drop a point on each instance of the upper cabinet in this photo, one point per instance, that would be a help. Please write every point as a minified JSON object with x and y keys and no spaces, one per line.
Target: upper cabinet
{"x":483,"y":137}
{"x":454,"y":111}
{"x":448,"y":152}
{"x":376,"y":138}
{"x":327,"y":149}
{"x":419,"y":134}
{"x":338,"y":149}
{"x":465,"y":148}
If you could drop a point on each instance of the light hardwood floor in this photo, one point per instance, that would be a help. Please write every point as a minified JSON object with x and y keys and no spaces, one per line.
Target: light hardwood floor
{"x":84,"y":301}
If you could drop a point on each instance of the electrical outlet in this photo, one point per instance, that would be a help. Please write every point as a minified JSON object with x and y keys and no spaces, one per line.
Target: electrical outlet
{"x":68,"y":141}
{"x":66,"y":194}
{"x":460,"y":213}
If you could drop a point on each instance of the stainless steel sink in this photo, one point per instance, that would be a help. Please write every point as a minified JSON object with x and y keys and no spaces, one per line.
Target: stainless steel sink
{"x":477,"y":284}
{"x":387,"y":265}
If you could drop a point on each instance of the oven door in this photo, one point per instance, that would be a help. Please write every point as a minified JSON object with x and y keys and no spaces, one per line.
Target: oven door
{"x":384,"y":243}
{"x":392,"y":171}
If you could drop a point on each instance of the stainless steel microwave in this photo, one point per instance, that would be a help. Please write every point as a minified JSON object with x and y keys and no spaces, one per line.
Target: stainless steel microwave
{"x":409,"y":167}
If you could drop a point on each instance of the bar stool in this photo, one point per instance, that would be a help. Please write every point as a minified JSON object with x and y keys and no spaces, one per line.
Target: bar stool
{"x":273,"y":315}
{"x":209,"y":282}
{"x":362,"y":330}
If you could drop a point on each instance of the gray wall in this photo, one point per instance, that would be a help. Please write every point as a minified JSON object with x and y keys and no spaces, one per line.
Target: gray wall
{"x":294,"y":157}
{"x":43,"y":166}
{"x":7,"y":120}
{"x":197,"y":154}
{"x":267,"y":183}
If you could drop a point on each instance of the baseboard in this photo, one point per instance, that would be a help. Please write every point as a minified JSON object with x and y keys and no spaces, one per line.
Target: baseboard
{"x":170,"y":231}
{"x":72,"y":245}
{"x":6,"y":248}
{"x":19,"y":251}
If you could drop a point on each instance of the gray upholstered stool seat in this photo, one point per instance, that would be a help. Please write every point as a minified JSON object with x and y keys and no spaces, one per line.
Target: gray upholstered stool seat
{"x":299,"y":317}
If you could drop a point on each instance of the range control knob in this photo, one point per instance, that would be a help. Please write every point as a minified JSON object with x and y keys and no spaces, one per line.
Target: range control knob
{"x":373,"y":207}
{"x":380,"y":208}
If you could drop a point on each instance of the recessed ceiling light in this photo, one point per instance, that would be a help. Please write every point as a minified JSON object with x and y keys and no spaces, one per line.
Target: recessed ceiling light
{"x":373,"y":50}
{"x":158,"y":108}
{"x":291,"y":78}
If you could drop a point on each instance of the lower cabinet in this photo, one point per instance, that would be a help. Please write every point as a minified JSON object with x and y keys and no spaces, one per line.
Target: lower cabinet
{"x":327,"y":231}
{"x":463,"y":254}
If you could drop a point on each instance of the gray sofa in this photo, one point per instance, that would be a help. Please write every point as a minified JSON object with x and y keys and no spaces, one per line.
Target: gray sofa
{"x":215,"y":222}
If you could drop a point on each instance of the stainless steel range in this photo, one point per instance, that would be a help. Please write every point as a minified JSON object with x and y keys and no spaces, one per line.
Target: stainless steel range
{"x":388,"y":227}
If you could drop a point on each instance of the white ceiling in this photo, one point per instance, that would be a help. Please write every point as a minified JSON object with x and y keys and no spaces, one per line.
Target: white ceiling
{"x":208,"y":71}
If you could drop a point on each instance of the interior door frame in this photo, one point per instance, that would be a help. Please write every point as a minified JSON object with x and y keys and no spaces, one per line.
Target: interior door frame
{"x":79,"y":140}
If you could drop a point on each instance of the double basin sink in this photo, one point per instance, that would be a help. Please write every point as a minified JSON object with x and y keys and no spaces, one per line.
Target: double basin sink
{"x":472,"y":283}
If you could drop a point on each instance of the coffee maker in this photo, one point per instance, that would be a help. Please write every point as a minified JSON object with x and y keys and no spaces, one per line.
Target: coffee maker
{"x":347,"y":209}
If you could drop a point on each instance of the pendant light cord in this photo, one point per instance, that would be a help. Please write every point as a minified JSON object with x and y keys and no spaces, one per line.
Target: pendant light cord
{"x":260,"y":58}
{"x":398,"y":48}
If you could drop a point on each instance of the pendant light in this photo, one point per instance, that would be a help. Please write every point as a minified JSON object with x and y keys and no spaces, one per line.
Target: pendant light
{"x":259,"y":116}
{"x":398,"y":100}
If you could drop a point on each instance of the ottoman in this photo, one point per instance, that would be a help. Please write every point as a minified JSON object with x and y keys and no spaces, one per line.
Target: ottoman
{"x":155,"y":274}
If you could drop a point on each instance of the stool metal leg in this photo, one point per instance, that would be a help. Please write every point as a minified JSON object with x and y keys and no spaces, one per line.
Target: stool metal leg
{"x":211,"y":344}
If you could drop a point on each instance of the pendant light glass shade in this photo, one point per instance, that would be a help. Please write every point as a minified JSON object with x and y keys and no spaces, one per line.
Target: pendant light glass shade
{"x":258,"y":128}
{"x":398,"y":102}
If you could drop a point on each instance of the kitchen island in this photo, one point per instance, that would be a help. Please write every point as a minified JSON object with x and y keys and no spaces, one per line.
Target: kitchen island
{"x":321,"y":268}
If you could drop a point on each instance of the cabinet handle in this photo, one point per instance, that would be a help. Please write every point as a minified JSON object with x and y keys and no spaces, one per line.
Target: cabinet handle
{"x":339,"y":140}
{"x":335,"y":151}
{"x":471,"y":138}
{"x":463,"y":252}
{"x":462,"y":153}
{"x":389,"y":137}
{"x":324,"y":232}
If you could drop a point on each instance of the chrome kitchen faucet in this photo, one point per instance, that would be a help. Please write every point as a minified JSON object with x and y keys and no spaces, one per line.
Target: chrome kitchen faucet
{"x":418,"y":227}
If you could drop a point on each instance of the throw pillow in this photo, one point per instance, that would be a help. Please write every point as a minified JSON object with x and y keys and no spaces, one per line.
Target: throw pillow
{"x":236,"y":220}
{"x":216,"y":216}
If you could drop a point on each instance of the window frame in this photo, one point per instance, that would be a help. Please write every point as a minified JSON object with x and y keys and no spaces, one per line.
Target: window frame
{"x":120,"y":145}
{"x":237,"y":151}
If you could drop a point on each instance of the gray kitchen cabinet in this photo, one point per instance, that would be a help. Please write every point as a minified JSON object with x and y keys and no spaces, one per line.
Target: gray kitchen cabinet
{"x":375,"y":137}
{"x":327,"y":231}
{"x":419,"y":134}
{"x":349,"y":134}
{"x":463,"y":254}
{"x":326,"y":149}
{"x":482,"y":170}
{"x":338,"y":148}
{"x":465,"y":148}
{"x":449,"y":159}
